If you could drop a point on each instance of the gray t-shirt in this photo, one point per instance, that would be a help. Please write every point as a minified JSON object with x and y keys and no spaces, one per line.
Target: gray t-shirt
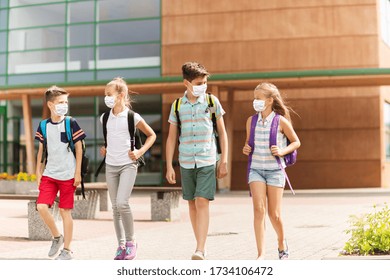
{"x":61,"y":163}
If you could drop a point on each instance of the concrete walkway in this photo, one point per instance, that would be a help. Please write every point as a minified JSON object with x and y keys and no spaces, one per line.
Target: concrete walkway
{"x":315,"y":221}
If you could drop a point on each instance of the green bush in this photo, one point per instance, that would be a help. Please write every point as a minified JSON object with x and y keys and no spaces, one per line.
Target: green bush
{"x":370,"y":233}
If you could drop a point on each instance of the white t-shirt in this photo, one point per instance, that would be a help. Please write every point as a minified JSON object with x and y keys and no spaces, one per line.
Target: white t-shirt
{"x":118,"y":138}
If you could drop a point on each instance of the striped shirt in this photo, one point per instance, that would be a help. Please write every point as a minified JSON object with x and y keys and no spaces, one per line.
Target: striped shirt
{"x":262,"y":158}
{"x":197,"y":146}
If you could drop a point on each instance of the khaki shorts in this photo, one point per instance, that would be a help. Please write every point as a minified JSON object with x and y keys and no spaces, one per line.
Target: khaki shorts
{"x":198,"y":182}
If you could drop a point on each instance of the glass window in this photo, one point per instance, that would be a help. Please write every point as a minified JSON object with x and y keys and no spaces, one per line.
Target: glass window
{"x":80,"y":58}
{"x":125,"y":9}
{"x":82,"y":76}
{"x":3,"y":3}
{"x":3,"y":19}
{"x":123,"y":32}
{"x":3,"y":41}
{"x":130,"y":73}
{"x":15,"y":3}
{"x":387,"y":129}
{"x":35,"y":62}
{"x":131,"y":51}
{"x":36,"y":79}
{"x":3,"y":60}
{"x":2,"y":81}
{"x":41,"y":38}
{"x":81,"y":35}
{"x":82,"y":11}
{"x":37,"y":16}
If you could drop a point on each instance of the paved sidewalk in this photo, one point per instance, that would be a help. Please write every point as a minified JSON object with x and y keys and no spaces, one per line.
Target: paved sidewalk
{"x":314,"y":221}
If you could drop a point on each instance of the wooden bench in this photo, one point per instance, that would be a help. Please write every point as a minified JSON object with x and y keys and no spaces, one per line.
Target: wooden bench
{"x":164,"y":200}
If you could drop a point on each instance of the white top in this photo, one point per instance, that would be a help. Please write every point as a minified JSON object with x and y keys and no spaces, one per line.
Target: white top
{"x":61,"y":163}
{"x":118,"y":138}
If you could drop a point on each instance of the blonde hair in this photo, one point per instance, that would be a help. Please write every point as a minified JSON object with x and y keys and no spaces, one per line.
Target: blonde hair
{"x":271,"y":91}
{"x":119,"y":85}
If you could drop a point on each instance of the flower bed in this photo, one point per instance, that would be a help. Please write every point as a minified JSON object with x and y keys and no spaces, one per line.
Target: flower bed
{"x":21,"y":183}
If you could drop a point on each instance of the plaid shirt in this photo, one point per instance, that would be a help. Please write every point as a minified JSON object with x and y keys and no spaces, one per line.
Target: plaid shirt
{"x":197,"y":146}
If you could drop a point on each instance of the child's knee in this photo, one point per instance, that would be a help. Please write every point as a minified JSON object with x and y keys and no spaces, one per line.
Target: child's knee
{"x":42,"y":208}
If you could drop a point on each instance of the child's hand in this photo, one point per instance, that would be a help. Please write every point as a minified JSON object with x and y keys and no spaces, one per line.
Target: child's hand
{"x":246,"y":150}
{"x":171,"y":177}
{"x":134,"y":155}
{"x":103,"y":151}
{"x":276,"y":151}
{"x":77,"y":179}
{"x":222,"y":170}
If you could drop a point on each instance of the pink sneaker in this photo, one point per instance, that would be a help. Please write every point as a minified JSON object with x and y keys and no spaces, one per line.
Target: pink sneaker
{"x":131,"y":250}
{"x":120,"y":253}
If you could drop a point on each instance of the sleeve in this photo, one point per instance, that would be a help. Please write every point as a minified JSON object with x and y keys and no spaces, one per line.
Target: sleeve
{"x":172,"y":116}
{"x":78,"y":133}
{"x":220,"y":111}
{"x":38,"y":134}
{"x":137,"y":119}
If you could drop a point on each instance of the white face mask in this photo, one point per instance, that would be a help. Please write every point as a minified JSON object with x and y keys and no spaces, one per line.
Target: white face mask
{"x":259,"y":105}
{"x":199,"y":90}
{"x":61,"y":109}
{"x":110,"y":101}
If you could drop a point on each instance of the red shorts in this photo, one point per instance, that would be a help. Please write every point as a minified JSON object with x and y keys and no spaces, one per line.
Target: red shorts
{"x":49,"y":188}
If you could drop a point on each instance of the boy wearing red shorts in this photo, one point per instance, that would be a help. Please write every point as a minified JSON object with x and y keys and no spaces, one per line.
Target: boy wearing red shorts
{"x":61,"y":170}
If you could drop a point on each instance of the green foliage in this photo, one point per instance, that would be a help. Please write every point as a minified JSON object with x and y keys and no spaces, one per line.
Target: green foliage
{"x":370,"y":233}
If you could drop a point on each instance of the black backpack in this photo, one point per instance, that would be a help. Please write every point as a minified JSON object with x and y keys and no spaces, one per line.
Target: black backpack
{"x":69,"y":121}
{"x":135,"y":138}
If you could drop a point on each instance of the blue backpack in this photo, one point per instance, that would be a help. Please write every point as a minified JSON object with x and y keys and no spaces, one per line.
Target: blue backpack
{"x":69,"y":136}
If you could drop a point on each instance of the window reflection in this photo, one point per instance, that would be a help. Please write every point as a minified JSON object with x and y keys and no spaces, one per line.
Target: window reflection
{"x":125,"y":9}
{"x":37,"y":16}
{"x":49,"y":37}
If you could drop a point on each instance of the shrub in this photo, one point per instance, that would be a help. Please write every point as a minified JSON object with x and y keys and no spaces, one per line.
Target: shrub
{"x":370,"y":233}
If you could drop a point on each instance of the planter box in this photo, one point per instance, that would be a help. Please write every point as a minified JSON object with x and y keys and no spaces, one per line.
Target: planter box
{"x":7,"y":187}
{"x":23,"y":187}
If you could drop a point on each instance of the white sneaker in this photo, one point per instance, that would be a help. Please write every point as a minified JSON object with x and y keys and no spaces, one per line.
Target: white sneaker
{"x":65,"y":255}
{"x":198,"y":255}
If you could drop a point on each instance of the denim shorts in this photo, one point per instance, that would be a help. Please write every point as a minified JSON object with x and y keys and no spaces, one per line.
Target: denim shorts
{"x":273,"y":178}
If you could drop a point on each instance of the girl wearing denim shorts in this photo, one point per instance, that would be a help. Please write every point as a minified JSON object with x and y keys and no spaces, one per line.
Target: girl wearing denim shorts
{"x":266,"y":179}
{"x":121,"y":163}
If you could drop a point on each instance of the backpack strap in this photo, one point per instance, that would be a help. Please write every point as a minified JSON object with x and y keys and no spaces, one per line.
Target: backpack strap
{"x":176,"y":106}
{"x":42,"y":125}
{"x":273,"y":141}
{"x":212,"y":108}
{"x":69,"y":125}
{"x":130,"y":124}
{"x":251,"y":141}
{"x":69,"y":133}
{"x":104,"y":123}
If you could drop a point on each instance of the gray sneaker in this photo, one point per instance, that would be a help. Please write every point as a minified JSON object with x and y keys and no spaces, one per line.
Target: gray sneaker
{"x":65,"y":255}
{"x":55,"y":246}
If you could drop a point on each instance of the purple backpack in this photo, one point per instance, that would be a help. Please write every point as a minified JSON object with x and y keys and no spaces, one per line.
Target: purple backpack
{"x":289,"y":159}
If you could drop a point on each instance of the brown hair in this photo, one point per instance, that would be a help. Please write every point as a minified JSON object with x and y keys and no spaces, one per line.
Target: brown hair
{"x":193,"y":70}
{"x":278,"y":106}
{"x":119,"y":84}
{"x":53,"y":92}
